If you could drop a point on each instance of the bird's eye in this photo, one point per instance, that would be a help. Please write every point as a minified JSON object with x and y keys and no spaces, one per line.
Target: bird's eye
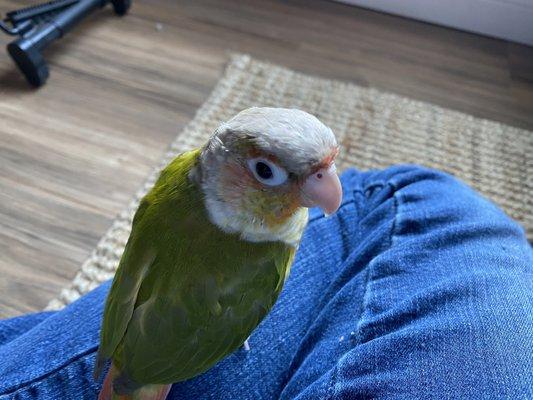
{"x":263,"y":170}
{"x":267,"y":172}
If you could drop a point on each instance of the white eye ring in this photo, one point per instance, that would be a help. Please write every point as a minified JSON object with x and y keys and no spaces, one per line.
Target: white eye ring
{"x":267,"y":172}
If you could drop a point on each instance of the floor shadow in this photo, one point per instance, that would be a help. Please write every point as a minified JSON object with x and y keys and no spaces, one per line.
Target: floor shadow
{"x":12,"y":81}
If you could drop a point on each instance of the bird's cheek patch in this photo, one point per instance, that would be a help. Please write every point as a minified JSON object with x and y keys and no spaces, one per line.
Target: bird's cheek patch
{"x":234,"y":181}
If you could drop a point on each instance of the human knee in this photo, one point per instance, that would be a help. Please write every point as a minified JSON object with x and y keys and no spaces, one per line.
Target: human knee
{"x":429,"y":200}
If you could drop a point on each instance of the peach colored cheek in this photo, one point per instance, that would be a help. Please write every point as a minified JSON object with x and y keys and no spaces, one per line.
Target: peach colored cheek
{"x":242,"y":176}
{"x":235,"y":180}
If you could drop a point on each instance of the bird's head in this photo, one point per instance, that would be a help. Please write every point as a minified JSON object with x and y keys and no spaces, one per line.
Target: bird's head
{"x":264,"y":165}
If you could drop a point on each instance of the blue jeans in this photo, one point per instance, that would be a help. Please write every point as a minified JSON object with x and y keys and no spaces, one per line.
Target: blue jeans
{"x":416,"y":288}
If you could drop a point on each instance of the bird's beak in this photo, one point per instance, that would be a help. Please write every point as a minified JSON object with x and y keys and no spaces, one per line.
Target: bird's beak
{"x":322,"y":189}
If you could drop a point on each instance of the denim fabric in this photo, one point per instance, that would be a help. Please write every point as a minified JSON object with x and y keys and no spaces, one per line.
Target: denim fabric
{"x":416,"y":288}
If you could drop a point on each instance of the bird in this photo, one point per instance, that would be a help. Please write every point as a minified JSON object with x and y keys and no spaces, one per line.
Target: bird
{"x":211,"y":247}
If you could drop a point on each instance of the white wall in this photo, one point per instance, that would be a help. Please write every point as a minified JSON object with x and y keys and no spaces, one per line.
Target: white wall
{"x":506,"y":19}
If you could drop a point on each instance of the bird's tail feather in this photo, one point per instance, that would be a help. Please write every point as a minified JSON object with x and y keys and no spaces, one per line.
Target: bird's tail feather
{"x":107,"y":388}
{"x":148,"y":392}
{"x":152,"y":392}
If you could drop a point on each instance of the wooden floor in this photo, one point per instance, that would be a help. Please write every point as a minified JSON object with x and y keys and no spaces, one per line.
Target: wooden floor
{"x":73,"y":153}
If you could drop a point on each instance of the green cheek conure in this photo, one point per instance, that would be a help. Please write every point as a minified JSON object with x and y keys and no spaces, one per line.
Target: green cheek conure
{"x":211,"y":247}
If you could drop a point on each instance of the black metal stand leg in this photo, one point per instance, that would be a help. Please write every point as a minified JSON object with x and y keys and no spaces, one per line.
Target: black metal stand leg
{"x":30,"y":62}
{"x":27,"y":51}
{"x":121,"y":7}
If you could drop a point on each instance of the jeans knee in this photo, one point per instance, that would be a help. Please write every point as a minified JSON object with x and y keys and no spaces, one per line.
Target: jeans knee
{"x":499,"y":324}
{"x":431,"y":201}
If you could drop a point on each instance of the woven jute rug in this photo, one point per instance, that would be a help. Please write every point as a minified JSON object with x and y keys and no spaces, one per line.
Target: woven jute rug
{"x":375,"y":130}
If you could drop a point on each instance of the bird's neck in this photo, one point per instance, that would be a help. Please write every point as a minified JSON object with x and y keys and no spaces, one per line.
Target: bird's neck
{"x":254,"y":229}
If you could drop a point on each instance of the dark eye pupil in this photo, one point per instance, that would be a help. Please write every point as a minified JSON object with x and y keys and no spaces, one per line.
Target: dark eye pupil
{"x":263,"y":170}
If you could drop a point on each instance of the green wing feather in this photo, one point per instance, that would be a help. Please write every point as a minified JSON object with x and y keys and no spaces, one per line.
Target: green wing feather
{"x":121,"y":300}
{"x":138,"y":257}
{"x":186,"y":294}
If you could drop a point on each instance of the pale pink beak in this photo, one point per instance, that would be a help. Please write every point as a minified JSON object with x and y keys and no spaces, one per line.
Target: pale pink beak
{"x":323,"y":189}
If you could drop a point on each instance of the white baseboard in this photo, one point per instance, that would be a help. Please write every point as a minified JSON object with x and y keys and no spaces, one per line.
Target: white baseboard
{"x":504,"y":19}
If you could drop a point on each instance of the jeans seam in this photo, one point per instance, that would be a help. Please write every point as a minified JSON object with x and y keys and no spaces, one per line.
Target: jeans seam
{"x":330,"y":394}
{"x":16,"y":388}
